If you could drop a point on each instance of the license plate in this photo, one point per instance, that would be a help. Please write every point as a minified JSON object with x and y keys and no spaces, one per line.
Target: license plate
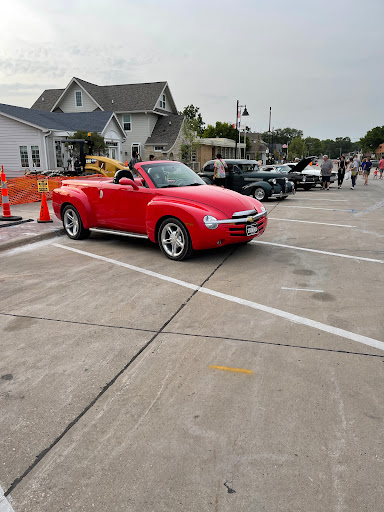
{"x":251,"y":230}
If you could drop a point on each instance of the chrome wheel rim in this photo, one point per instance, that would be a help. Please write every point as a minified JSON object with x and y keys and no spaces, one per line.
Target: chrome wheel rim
{"x":71,"y":222}
{"x":259,"y":194}
{"x":172,"y":240}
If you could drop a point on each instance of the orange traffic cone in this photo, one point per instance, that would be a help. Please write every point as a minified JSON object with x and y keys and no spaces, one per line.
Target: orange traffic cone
{"x":126,"y":163}
{"x":5,"y":199}
{"x":44,"y":212}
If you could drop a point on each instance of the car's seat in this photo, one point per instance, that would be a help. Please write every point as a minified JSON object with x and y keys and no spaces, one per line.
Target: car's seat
{"x":122,"y":173}
{"x":158,"y":177}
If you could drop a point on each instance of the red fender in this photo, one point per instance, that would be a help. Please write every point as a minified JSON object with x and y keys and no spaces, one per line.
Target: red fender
{"x":190,"y":214}
{"x":77,"y":198}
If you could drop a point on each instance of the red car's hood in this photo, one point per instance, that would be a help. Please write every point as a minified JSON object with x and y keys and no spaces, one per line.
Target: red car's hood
{"x":227,"y":201}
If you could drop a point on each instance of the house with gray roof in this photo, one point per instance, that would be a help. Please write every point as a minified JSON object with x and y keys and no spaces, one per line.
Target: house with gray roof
{"x":146,"y":112}
{"x":32,"y":138}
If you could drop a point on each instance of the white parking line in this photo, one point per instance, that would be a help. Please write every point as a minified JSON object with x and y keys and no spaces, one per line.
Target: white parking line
{"x":360,"y":258}
{"x":317,"y":208}
{"x":4,"y":503}
{"x":365,"y":340}
{"x":311,"y":199}
{"x":311,"y":222}
{"x":302,"y":289}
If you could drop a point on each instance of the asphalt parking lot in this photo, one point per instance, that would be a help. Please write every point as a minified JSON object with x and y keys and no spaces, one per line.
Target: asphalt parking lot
{"x":248,"y":378}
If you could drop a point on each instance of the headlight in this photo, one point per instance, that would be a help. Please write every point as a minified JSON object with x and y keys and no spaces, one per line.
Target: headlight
{"x":272,"y":181}
{"x":304,"y":178}
{"x":263,"y":209}
{"x":210,"y":222}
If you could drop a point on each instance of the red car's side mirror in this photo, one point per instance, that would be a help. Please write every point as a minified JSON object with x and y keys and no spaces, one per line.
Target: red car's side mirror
{"x":127,"y":181}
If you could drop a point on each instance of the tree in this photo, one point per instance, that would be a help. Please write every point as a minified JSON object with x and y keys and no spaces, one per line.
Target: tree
{"x":313,"y":146}
{"x":372,"y":139}
{"x":190,"y":143}
{"x":222,"y":130}
{"x":94,"y":142}
{"x":193,"y":119}
{"x":282,"y":135}
{"x":296,"y":148}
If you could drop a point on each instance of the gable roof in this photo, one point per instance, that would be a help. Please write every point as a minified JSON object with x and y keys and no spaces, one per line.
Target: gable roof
{"x":119,"y":98}
{"x":47,"y":99}
{"x":166,"y":131}
{"x":89,"y":121}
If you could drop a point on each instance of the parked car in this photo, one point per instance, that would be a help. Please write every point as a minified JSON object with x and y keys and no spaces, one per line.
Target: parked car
{"x":244,"y":176}
{"x":166,"y":202}
{"x":375,"y":163}
{"x":306,"y":175}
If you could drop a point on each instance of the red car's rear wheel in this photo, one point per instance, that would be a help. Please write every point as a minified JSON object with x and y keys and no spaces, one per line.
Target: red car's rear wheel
{"x":73,"y":225}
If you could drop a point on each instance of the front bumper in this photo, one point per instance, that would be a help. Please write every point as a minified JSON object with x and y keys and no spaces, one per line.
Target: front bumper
{"x":243,"y":220}
{"x":230,"y":231}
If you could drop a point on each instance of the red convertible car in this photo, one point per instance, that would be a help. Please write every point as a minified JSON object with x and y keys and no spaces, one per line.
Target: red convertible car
{"x":164,"y":201}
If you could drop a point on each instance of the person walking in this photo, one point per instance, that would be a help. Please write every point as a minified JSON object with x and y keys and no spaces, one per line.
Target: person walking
{"x":219,"y":168}
{"x":381,"y":167}
{"x":366,"y":166}
{"x":134,"y":160}
{"x":341,"y":171}
{"x":354,"y":171}
{"x":326,"y":169}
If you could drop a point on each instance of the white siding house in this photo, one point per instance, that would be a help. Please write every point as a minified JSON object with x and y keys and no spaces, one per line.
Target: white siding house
{"x":139,"y":109}
{"x":36,"y":139}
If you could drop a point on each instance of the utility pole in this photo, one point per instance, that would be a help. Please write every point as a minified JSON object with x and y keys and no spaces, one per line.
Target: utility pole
{"x":269,"y":131}
{"x":237,"y":131}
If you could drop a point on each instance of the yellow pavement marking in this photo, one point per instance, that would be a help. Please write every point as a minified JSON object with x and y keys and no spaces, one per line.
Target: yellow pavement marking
{"x":239,"y":370}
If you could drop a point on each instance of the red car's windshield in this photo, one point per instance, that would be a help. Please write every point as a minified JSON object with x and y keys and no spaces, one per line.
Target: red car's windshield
{"x":168,"y":174}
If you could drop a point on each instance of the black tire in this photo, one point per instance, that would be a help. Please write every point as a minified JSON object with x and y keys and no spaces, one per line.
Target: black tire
{"x":174,"y":240}
{"x":260,"y":194}
{"x":73,"y":225}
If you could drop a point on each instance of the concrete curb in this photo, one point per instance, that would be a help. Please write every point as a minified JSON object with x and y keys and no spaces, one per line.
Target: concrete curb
{"x":12,"y":244}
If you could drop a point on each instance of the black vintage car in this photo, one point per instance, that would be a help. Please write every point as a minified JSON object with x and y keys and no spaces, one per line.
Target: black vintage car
{"x":298,"y":172}
{"x":245,"y":177}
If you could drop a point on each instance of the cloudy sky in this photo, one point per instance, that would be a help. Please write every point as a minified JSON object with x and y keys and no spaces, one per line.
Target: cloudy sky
{"x":317,"y":63}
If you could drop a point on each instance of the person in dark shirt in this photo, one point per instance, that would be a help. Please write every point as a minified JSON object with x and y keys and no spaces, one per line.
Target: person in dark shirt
{"x":341,"y":171}
{"x":366,"y":166}
{"x":134,"y":160}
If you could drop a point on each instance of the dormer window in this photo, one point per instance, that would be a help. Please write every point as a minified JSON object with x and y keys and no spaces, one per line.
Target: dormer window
{"x":162,"y":101}
{"x":78,"y":98}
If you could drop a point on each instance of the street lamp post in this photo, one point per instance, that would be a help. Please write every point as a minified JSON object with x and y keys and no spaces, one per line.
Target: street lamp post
{"x":238,"y":119}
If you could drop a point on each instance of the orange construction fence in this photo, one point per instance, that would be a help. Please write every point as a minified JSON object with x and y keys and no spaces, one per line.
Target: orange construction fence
{"x":24,"y":189}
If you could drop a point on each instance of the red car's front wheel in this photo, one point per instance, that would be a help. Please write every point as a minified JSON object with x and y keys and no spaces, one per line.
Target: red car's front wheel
{"x":174,"y":240}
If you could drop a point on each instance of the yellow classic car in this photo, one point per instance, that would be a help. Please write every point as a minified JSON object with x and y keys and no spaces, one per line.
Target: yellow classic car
{"x":103,"y":165}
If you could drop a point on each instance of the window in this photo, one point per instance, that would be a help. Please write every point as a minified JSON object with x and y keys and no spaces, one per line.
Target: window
{"x":127,"y":122}
{"x":78,"y":99}
{"x":158,"y":148}
{"x":193,"y":155}
{"x":162,"y":101}
{"x":35,"y":156}
{"x":24,"y":156}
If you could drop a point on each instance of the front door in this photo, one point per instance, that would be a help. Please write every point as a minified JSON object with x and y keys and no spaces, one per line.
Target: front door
{"x":131,"y":208}
{"x":235,"y":178}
